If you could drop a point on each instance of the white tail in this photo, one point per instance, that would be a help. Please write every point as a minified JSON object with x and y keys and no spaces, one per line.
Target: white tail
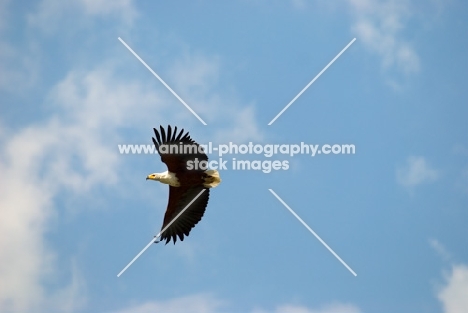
{"x":212,"y":179}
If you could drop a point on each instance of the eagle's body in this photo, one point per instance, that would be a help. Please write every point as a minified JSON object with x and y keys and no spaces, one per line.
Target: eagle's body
{"x":184,"y":184}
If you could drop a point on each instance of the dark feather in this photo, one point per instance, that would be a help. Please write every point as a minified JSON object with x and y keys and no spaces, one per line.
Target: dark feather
{"x":179,"y":198}
{"x":177,"y":162}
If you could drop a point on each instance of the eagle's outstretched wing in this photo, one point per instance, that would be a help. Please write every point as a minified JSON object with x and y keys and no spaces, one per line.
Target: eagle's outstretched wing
{"x":179,"y":198}
{"x":187,"y":149}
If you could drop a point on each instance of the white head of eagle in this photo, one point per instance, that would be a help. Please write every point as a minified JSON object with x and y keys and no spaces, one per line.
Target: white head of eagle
{"x":177,"y":150}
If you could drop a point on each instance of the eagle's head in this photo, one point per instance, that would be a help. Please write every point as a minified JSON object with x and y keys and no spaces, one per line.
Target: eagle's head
{"x":154,"y":176}
{"x":165,"y":178}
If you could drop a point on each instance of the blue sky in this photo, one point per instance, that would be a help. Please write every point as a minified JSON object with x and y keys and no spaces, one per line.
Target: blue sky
{"x":75,"y":211}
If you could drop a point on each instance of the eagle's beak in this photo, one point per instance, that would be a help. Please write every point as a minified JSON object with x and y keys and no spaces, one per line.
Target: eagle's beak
{"x":151,"y":176}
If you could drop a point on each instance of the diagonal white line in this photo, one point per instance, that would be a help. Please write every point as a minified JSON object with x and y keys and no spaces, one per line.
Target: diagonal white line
{"x":313,"y":233}
{"x":177,"y":216}
{"x":312,"y":81}
{"x":162,"y":231}
{"x":162,"y":81}
{"x":135,"y":258}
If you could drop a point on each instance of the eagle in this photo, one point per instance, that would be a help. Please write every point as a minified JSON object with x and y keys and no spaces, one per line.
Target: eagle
{"x":188,"y":178}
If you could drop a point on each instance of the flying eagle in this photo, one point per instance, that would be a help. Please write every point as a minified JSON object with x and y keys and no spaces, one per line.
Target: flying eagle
{"x":187,"y":176}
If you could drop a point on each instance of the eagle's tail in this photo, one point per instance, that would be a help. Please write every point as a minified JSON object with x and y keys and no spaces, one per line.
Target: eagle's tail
{"x":211,"y":179}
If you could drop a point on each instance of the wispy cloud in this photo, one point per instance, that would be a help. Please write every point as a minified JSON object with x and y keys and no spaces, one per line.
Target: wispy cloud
{"x":199,"y":303}
{"x":27,"y":207}
{"x":207,"y":303}
{"x":379,"y":25}
{"x":330,"y":308}
{"x":440,"y":249}
{"x":196,"y":77}
{"x":68,"y":151}
{"x":50,"y":14}
{"x":454,"y":295}
{"x":125,"y":9}
{"x":416,"y":172}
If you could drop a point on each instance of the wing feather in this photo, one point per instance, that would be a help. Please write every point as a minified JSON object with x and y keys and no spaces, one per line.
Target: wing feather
{"x":169,"y":133}
{"x":163,"y":134}
{"x":177,"y":162}
{"x":157,"y":136}
{"x":174,"y":134}
{"x":179,"y":198}
{"x":180,"y":134}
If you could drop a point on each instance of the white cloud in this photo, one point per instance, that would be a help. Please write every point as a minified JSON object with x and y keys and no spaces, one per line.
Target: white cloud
{"x":379,"y":24}
{"x":51,"y":14}
{"x":416,"y":172}
{"x":26,"y":202}
{"x":196,"y":78}
{"x":123,"y":8}
{"x":440,"y":249}
{"x":200,"y":303}
{"x":454,"y":295}
{"x":330,"y":308}
{"x":206,"y":303}
{"x":70,"y":297}
{"x":242,"y":127}
{"x":71,"y":150}
{"x":23,"y":254}
{"x":195,"y":74}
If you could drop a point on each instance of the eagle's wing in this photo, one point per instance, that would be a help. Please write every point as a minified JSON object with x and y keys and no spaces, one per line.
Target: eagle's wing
{"x":179,"y":197}
{"x":177,"y":163}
